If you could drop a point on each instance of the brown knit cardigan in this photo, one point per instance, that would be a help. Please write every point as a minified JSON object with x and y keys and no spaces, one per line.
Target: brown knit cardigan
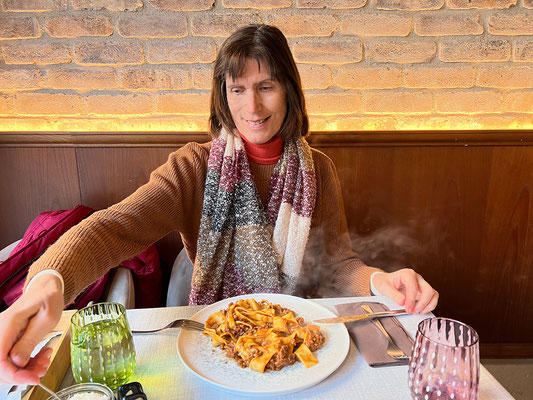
{"x":172,"y":201}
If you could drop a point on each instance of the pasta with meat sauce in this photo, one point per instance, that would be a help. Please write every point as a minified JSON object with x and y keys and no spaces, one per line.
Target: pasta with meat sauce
{"x":263,"y":336}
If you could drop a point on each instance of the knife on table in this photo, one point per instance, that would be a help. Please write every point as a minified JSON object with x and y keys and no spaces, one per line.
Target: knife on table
{"x":361,"y":317}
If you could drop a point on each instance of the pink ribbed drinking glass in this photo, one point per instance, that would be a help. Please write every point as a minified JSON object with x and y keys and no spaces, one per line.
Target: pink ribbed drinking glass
{"x":445,"y":361}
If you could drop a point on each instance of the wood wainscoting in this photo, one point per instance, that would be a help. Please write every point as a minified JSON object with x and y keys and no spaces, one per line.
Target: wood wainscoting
{"x":455,"y":206}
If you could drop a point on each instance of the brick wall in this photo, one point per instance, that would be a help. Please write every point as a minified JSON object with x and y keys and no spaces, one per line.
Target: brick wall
{"x":123,"y":65}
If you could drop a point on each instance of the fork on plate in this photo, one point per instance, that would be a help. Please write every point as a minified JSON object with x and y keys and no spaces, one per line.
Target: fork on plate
{"x":178,"y":323}
{"x":392,"y":350}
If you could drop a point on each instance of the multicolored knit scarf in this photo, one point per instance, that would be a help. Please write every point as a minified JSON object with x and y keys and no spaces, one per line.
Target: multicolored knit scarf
{"x":243,"y":248}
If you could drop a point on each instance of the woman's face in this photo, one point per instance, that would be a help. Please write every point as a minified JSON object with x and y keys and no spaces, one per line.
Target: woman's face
{"x":257,"y":103}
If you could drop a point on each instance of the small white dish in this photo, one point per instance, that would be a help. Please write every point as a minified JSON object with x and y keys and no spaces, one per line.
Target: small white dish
{"x":84,"y":390}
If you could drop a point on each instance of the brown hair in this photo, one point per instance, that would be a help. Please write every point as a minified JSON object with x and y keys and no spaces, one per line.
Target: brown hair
{"x":268,"y":45}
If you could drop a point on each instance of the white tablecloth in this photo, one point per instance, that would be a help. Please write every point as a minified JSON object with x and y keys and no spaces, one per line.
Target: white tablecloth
{"x":165,"y":377}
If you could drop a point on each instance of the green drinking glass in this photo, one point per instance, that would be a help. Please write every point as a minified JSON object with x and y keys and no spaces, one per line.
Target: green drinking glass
{"x":101,"y":345}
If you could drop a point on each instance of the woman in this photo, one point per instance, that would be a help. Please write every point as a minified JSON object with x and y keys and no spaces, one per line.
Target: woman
{"x":272,"y":218}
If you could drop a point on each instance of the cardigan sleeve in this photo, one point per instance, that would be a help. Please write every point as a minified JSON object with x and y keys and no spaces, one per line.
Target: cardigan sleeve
{"x":340,"y":270}
{"x":107,"y":237}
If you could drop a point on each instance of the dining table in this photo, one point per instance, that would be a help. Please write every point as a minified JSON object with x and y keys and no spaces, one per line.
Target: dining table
{"x":164,"y":376}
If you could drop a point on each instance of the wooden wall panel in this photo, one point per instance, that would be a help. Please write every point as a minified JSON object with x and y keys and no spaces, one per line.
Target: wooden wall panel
{"x":457,"y":207}
{"x":108,"y":175}
{"x":506,"y":265}
{"x":33,"y":180}
{"x":461,"y":216}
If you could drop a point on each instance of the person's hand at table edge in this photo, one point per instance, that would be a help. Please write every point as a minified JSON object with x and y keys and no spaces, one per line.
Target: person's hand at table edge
{"x":407,"y":288}
{"x":24,"y":325}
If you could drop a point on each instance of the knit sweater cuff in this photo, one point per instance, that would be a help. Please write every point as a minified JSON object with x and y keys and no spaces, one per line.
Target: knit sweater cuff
{"x":46,"y":272}
{"x":373,"y":289}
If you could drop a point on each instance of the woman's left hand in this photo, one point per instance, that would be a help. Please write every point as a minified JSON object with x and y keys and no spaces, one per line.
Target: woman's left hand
{"x":407,"y":288}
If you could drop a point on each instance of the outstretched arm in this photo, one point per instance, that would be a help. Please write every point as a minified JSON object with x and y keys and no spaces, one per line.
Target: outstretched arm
{"x":85,"y":253}
{"x":349,"y":275}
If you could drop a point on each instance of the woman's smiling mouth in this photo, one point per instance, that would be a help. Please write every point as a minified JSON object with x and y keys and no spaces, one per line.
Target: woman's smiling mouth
{"x":256,"y":122}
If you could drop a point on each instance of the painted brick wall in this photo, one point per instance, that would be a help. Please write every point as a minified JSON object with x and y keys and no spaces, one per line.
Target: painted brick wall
{"x":117,"y":65}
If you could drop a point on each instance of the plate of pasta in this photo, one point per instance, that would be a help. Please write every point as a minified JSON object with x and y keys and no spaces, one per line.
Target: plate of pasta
{"x":264,"y":344}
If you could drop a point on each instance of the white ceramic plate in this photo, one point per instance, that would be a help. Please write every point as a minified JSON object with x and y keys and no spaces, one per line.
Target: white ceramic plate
{"x":212,"y":365}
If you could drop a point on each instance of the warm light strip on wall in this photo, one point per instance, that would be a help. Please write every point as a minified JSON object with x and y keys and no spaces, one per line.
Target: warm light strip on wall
{"x":326,"y":123}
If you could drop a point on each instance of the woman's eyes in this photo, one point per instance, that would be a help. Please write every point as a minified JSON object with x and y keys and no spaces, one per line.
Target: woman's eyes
{"x":261,"y":89}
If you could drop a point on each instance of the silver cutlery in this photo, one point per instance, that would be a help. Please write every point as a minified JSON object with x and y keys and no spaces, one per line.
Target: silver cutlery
{"x":392,"y":350}
{"x":362,"y":317}
{"x":49,"y":391}
{"x":178,"y":323}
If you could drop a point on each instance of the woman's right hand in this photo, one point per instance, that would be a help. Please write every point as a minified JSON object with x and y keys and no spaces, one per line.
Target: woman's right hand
{"x":24,"y":325}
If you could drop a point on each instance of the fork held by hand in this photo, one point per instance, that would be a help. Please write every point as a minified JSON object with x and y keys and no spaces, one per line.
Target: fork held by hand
{"x":178,"y":323}
{"x":392,"y":350}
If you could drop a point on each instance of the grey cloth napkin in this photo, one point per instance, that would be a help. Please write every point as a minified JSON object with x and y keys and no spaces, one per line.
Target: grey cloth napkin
{"x":368,"y":338}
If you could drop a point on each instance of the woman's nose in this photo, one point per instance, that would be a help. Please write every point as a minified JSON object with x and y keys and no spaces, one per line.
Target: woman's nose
{"x":253,"y":102}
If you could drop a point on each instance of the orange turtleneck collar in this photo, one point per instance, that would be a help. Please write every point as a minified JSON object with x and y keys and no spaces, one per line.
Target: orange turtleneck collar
{"x":265,"y":153}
